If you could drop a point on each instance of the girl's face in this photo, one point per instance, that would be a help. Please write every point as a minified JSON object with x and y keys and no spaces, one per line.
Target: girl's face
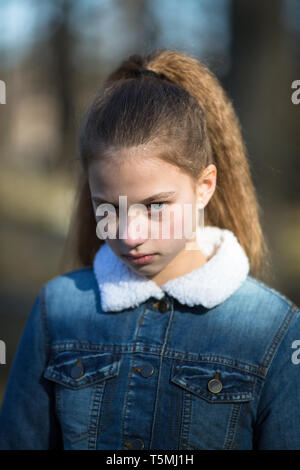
{"x":137,"y":174}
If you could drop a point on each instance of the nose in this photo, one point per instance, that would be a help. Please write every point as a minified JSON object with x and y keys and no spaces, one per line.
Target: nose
{"x":134,"y":232}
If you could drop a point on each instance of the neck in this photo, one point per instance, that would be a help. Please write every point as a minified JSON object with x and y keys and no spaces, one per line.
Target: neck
{"x":184,"y":262}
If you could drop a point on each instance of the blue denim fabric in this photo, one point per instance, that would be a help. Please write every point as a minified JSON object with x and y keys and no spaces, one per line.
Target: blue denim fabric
{"x":159,"y":376}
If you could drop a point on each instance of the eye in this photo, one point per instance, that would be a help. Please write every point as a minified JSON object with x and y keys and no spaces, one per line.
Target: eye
{"x":155,"y":206}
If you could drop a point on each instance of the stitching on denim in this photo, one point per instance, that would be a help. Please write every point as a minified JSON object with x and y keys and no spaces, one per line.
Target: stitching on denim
{"x":126,"y":398}
{"x":106,"y":392}
{"x":78,"y":440}
{"x":178,"y":396}
{"x":73,"y":438}
{"x":277,"y":339}
{"x":88,"y":380}
{"x":232,"y":425}
{"x":184,"y":441}
{"x":181,"y":440}
{"x":189,"y":398}
{"x":195,"y":388}
{"x":70,"y":386}
{"x":81,"y":434}
{"x":178,"y":401}
{"x":96,"y":406}
{"x":164,"y":342}
{"x":171,"y":413}
{"x":212,"y":359}
{"x":129,"y":381}
{"x":76,"y":437}
{"x":229,"y":364}
{"x":228,"y":427}
{"x":154,"y":406}
{"x":108,"y":402}
{"x":238,"y":437}
{"x":168,"y":329}
{"x":189,"y":445}
{"x":173,"y":430}
{"x":245,"y":407}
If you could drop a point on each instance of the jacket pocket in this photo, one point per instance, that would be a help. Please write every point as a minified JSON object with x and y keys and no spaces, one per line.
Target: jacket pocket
{"x":215,"y":400}
{"x":84,"y":384}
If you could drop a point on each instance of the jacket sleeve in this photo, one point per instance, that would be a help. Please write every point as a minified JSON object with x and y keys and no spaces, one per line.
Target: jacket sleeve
{"x":278,"y":423}
{"x":27,"y":418}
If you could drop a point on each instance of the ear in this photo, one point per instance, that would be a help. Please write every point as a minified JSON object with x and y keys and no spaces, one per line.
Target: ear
{"x":207,"y":185}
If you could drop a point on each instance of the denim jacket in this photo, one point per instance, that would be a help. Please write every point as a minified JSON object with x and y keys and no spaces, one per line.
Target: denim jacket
{"x":109,"y":360}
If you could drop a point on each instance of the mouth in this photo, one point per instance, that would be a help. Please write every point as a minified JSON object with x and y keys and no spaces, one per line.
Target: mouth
{"x":141,"y":259}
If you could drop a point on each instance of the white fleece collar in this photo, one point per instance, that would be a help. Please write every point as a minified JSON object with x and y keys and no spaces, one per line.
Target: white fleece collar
{"x":212,"y":283}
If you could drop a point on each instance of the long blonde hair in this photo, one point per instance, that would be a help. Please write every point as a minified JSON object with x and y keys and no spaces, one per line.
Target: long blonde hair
{"x":185,"y":109}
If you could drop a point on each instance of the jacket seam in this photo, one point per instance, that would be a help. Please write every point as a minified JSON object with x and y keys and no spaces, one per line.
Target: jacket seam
{"x":211,"y":358}
{"x":278,"y":337}
{"x":292,"y":316}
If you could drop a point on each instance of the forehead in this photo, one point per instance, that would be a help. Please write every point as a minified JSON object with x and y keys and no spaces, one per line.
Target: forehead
{"x":135,"y":172}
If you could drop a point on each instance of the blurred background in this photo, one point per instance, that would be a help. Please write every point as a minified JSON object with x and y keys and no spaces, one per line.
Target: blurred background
{"x":54,"y":55}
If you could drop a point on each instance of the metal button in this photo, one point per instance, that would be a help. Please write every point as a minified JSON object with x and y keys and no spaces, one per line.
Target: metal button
{"x":147,"y":370}
{"x":215,"y":384}
{"x":77,"y":370}
{"x":135,"y":444}
{"x":163,"y":306}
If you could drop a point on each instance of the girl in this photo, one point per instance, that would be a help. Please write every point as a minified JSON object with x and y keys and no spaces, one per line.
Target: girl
{"x":167,"y":342}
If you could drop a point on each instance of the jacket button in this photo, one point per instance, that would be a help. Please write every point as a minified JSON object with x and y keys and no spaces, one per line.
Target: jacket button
{"x":214,"y":385}
{"x":163,"y":306}
{"x":147,"y":370}
{"x":77,"y":370}
{"x":135,"y":444}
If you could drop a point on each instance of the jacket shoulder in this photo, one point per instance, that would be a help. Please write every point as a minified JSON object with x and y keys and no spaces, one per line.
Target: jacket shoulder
{"x":267,"y":292}
{"x":71,"y":296}
{"x":260,"y":301}
{"x":82,"y":279}
{"x":261,"y":318}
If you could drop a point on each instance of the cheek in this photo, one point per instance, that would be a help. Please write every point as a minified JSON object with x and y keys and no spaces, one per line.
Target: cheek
{"x":181,"y":223}
{"x":176,"y":226}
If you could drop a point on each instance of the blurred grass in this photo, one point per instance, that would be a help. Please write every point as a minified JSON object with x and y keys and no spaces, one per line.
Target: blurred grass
{"x":35,"y":211}
{"x":36,"y":199}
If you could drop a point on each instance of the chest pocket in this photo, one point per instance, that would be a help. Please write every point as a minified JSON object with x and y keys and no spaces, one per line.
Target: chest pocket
{"x":84,"y":385}
{"x":215,"y":401}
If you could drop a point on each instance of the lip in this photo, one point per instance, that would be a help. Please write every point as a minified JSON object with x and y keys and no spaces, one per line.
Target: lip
{"x":141,"y":259}
{"x":139,"y":256}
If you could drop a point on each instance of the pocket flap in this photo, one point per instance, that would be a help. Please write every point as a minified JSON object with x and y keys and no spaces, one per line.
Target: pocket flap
{"x":76,"y":369}
{"x":214,"y":382}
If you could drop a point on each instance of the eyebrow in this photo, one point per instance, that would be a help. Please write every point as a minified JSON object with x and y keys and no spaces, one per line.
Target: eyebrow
{"x":148,"y":200}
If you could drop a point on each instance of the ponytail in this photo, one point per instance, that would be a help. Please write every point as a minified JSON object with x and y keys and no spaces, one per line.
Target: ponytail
{"x":234,"y":204}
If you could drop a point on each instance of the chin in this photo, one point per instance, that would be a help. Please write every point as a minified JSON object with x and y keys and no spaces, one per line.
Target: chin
{"x":147,"y":270}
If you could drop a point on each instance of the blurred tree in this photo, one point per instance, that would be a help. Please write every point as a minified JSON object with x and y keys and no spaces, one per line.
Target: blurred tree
{"x":142,"y":25}
{"x":263,"y":68}
{"x":62,"y":42}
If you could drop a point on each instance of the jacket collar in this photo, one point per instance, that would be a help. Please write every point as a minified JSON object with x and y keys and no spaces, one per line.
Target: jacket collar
{"x":212,"y":283}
